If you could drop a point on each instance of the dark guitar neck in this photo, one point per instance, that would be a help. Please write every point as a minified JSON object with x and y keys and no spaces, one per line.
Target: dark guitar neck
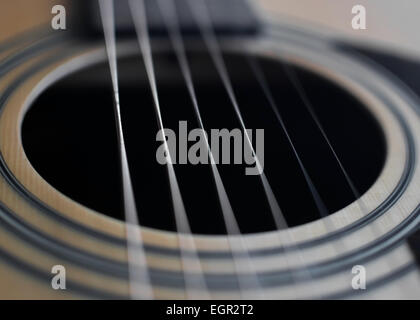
{"x":228,"y":17}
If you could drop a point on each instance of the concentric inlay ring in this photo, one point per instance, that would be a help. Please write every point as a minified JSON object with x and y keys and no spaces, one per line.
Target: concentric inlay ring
{"x":94,"y":246}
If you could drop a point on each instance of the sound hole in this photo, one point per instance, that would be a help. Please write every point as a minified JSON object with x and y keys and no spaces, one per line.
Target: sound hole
{"x":69,"y":137}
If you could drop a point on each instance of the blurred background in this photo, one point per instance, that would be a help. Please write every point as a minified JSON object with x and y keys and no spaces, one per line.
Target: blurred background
{"x":393,"y":24}
{"x":390,"y":23}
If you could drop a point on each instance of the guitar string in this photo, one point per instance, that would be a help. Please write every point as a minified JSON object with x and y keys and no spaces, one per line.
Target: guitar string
{"x":308,"y":105}
{"x":203,"y":20}
{"x":205,"y":25}
{"x":223,"y":72}
{"x":182,"y":223}
{"x":139,"y":278}
{"x":261,"y":79}
{"x":211,"y":40}
{"x":201,"y":14}
{"x":176,"y":38}
{"x":320,"y":204}
{"x":256,"y":68}
{"x":170,"y":17}
{"x":293,"y":78}
{"x":196,"y":287}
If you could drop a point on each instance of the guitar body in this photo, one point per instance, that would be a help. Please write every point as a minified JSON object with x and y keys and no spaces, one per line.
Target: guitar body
{"x":44,"y":223}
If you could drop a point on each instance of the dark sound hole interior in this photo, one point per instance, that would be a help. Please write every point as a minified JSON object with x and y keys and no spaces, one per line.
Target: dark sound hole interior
{"x":70,"y":138}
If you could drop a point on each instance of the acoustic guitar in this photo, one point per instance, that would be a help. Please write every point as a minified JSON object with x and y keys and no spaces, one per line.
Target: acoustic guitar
{"x":324,"y":205}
